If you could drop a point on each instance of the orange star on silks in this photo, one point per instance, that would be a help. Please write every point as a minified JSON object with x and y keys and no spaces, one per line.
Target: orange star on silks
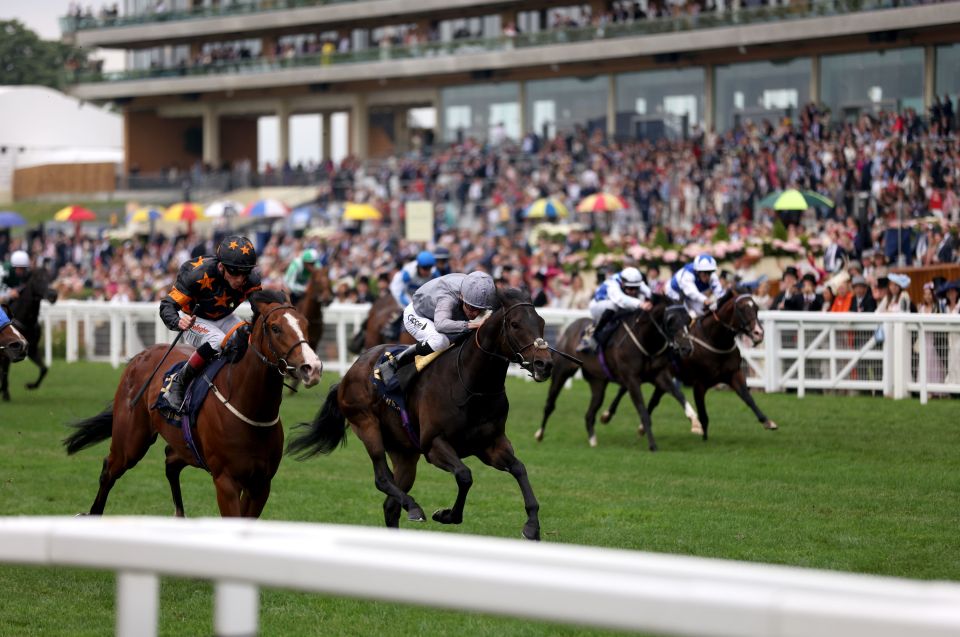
{"x":196,"y":264}
{"x":233,"y":245}
{"x":206,"y":283}
{"x":222,"y":299}
{"x":246,"y":249}
{"x":214,"y":315}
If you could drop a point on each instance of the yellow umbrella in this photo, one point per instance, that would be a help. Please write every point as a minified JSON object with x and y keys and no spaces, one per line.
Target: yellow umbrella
{"x":601,"y":202}
{"x":546,"y":208}
{"x":146,"y":214}
{"x":361,"y":212}
{"x":185,"y":211}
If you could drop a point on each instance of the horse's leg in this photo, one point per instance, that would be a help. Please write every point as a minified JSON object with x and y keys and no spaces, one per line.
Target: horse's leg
{"x":607,"y":415}
{"x":175,"y":465}
{"x":404,"y":474}
{"x":636,"y":395}
{"x":33,"y":353}
{"x":559,"y":378}
{"x":254,"y":498}
{"x":598,"y":387}
{"x":667,"y":383}
{"x":228,"y":495}
{"x":500,"y":456}
{"x":4,"y":378}
{"x":367,"y":429}
{"x":700,"y":397}
{"x":132,"y":437}
{"x":445,"y":457}
{"x":739,"y":384}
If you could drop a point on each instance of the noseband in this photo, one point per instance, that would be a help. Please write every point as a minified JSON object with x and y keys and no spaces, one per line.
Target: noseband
{"x":281,"y":364}
{"x":741,"y":327}
{"x":517,"y":356}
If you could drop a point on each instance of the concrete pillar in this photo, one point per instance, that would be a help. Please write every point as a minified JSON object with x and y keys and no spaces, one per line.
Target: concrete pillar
{"x":929,"y":74}
{"x":401,"y":132}
{"x":522,"y":98}
{"x":283,"y":132}
{"x":359,"y":127}
{"x":814,"y":80}
{"x":211,"y":135}
{"x":709,"y":98}
{"x":268,"y":45}
{"x":327,"y":149}
{"x":611,"y":106}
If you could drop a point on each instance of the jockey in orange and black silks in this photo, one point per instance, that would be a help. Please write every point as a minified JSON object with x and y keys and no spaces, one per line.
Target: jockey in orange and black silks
{"x":202,"y":303}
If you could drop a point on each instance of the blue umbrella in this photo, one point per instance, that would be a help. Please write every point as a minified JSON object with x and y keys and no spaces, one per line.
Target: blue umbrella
{"x":9,"y":219}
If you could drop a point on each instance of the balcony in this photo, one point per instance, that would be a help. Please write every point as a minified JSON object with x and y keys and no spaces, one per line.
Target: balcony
{"x":747,"y":27}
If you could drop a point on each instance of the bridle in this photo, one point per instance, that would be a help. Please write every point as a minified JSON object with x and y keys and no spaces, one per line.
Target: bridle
{"x":742,"y":327}
{"x":281,"y":364}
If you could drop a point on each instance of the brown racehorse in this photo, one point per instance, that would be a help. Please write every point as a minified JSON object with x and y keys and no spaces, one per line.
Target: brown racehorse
{"x":457,"y":408}
{"x":384,"y":311}
{"x":238,"y":430}
{"x":637,"y":352}
{"x":13,"y":345}
{"x":319,"y":293}
{"x":714,"y":357}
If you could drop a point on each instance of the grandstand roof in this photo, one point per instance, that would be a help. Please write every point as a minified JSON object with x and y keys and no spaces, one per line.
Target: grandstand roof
{"x":49,"y":127}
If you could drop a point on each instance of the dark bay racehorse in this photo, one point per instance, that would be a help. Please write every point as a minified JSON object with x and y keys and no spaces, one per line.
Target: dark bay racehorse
{"x":384,"y":311}
{"x":13,"y":346}
{"x":714,"y":357}
{"x":457,"y":408}
{"x":636,"y":353}
{"x":319,"y":293}
{"x":238,"y":431}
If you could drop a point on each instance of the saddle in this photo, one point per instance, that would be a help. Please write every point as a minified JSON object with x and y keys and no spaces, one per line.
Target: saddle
{"x":395,"y":393}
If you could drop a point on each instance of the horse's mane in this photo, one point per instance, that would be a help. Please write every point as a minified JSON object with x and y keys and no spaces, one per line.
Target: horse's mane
{"x":731,"y":293}
{"x":507,"y":297}
{"x":265,"y":297}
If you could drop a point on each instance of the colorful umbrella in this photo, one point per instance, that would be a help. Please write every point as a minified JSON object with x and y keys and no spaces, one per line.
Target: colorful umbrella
{"x":223,"y":208}
{"x":361,"y":212}
{"x":9,"y":219}
{"x":793,"y":199}
{"x":75,"y":214}
{"x":185,"y":211}
{"x":601,"y":202}
{"x":146,"y":214}
{"x":546,"y":208}
{"x":267,"y":208}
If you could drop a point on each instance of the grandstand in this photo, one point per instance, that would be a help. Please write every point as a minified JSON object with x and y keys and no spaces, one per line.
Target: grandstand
{"x":201,"y":72}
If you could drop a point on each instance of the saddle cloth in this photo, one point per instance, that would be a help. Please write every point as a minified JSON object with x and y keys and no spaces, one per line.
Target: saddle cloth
{"x":195,"y":394}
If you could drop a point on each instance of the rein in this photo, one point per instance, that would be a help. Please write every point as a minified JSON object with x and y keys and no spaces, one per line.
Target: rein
{"x":640,"y":347}
{"x":729,"y":327}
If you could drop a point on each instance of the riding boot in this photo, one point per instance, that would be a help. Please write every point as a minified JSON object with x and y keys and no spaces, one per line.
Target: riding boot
{"x":587,"y":342}
{"x":178,"y":385}
{"x":390,"y":367}
{"x":602,"y":331}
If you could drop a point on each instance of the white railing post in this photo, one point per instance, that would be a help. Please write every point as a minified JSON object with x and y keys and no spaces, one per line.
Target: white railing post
{"x":116,"y":340}
{"x":138,"y":604}
{"x":922,"y":363}
{"x":89,"y":337}
{"x":801,"y":360}
{"x":236,"y":609}
{"x":48,"y":341}
{"x":901,"y":359}
{"x":771,"y":368}
{"x":342,"y":344}
{"x":72,"y":337}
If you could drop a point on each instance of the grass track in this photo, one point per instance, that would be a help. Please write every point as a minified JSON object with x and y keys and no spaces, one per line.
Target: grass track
{"x":848,"y":483}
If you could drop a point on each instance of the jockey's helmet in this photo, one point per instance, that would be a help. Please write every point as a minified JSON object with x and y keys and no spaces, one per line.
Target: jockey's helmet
{"x":426,"y":260}
{"x":631,"y":277}
{"x":441,"y":253}
{"x":20,"y":259}
{"x":478,"y":290}
{"x":237,"y":253}
{"x":705,"y":263}
{"x":309,"y":256}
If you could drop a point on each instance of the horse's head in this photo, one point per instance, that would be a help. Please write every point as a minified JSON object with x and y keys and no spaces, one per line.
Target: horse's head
{"x":521,"y":334}
{"x":675,"y":322}
{"x":319,"y":285}
{"x":740,"y":314}
{"x":279,"y":337}
{"x":12,"y":342}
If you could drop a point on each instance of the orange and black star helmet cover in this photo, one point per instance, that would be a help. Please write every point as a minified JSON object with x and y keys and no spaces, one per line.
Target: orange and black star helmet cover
{"x":237,"y":252}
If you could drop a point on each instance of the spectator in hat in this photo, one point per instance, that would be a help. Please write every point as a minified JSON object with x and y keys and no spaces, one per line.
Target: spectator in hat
{"x":934,"y":363}
{"x":789,"y":298}
{"x":863,"y":300}
{"x":950,"y":304}
{"x":828,"y":298}
{"x":898,"y":298}
{"x":854,"y":268}
{"x":810,"y":300}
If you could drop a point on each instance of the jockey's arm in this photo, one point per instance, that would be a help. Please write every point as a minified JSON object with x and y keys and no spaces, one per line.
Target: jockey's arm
{"x":621,"y":300}
{"x":177,"y":299}
{"x":716,"y":286}
{"x":398,"y":288}
{"x":292,"y":277}
{"x":443,"y":317}
{"x":689,"y":287}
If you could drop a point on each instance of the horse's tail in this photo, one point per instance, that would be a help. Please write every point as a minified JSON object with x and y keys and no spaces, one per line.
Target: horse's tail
{"x":327,"y":430}
{"x":90,"y":431}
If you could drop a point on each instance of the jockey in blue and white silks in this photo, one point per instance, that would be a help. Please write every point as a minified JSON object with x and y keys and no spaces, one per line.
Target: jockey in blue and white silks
{"x":624,"y":291}
{"x":696,"y":285}
{"x":413,"y":275}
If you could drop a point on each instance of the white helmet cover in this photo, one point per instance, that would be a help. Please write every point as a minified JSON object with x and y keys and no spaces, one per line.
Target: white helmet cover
{"x":705,"y":263}
{"x":631,"y":277}
{"x":20,"y":259}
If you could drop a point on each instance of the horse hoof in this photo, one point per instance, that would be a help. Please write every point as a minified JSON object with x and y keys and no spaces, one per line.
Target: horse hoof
{"x":605,"y":417}
{"x":696,"y":428}
{"x":31,"y":385}
{"x":593,"y":441}
{"x":445,"y":516}
{"x":770,"y":425}
{"x":641,"y":431}
{"x":416,"y":516}
{"x":534,"y":537}
{"x":6,"y":398}
{"x":539,"y":435}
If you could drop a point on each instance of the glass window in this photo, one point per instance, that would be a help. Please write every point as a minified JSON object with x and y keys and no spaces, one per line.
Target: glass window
{"x":873,"y":81}
{"x":760,"y":91}
{"x":475,"y":111}
{"x":658,"y":104}
{"x":948,"y":70}
{"x":559,"y":107}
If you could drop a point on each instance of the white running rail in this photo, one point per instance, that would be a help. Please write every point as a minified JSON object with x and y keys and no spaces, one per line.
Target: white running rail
{"x":664,"y":594}
{"x":919,"y":354}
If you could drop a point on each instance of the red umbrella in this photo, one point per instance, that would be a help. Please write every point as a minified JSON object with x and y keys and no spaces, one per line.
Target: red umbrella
{"x":75,"y":214}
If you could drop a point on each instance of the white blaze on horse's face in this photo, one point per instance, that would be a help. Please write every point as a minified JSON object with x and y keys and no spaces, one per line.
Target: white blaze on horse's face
{"x":312,"y":368}
{"x":756,"y":333}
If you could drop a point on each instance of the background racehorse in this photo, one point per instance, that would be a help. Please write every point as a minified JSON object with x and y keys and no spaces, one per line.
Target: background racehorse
{"x":238,"y":430}
{"x":13,"y":348}
{"x":319,"y":293}
{"x":384,"y":311}
{"x":638,"y":351}
{"x":457,"y":408}
{"x":714,"y":356}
